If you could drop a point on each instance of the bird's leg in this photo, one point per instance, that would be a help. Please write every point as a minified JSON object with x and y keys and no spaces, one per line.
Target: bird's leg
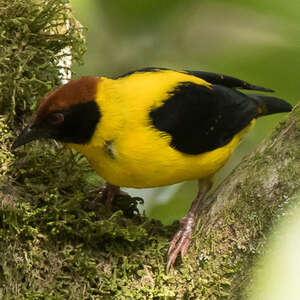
{"x":108,"y":192}
{"x":182,"y":239}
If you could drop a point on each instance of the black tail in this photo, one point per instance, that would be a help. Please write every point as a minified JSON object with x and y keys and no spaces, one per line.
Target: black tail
{"x":270,"y":105}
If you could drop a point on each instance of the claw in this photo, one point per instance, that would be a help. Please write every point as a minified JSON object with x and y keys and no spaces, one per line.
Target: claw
{"x":182,"y":239}
{"x":107,"y":193}
{"x":174,"y":242}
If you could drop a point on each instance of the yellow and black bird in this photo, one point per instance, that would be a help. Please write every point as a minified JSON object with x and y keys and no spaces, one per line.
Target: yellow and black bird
{"x":153,"y":127}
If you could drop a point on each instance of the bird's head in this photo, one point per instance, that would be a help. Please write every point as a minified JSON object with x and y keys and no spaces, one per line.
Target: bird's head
{"x":68,"y":114}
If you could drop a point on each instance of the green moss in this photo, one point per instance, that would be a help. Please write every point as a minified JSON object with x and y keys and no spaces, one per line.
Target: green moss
{"x":31,"y":43}
{"x":59,"y":245}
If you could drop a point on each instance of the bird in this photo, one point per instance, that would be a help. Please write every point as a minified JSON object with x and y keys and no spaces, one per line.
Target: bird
{"x":153,"y":127}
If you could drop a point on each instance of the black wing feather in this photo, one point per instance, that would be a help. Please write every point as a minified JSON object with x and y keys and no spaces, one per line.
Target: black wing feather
{"x":200,"y":118}
{"x":227,"y":81}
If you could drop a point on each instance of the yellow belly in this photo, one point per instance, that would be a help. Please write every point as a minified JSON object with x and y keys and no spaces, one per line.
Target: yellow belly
{"x":143,"y":158}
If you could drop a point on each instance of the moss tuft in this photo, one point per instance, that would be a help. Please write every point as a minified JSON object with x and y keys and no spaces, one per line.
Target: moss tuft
{"x":33,"y":37}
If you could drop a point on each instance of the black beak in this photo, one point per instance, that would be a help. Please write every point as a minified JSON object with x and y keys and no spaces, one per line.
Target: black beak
{"x":28,"y":134}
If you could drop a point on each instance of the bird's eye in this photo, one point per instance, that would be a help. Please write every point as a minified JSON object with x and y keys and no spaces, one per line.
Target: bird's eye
{"x":55,"y":118}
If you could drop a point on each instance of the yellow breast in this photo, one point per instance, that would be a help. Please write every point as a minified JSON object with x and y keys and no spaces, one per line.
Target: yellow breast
{"x":127,"y":151}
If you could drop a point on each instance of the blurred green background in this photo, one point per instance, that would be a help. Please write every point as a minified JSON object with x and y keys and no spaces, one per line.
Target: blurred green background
{"x":277,"y":270}
{"x":258,"y":41}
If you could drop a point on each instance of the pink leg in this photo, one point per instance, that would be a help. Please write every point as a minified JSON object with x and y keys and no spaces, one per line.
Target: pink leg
{"x":182,"y":239}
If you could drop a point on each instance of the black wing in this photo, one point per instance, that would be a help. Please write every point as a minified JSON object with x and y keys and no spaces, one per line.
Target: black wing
{"x":201,"y":118}
{"x":227,"y":81}
{"x":209,"y":77}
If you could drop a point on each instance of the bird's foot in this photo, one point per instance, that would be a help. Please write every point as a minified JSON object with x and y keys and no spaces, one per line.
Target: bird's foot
{"x":181,"y":240}
{"x":107,"y":193}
